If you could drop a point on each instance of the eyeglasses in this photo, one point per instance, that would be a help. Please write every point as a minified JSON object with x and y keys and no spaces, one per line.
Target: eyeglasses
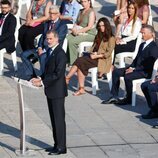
{"x":5,"y":7}
{"x":53,"y":13}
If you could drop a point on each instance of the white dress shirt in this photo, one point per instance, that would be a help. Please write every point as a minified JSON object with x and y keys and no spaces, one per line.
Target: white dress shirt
{"x":126,"y":30}
{"x":3,"y":24}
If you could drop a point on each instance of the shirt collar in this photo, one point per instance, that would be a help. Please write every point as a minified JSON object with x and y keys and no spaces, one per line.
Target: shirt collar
{"x":148,"y":41}
{"x":54,"y":47}
{"x":6,"y":15}
{"x":55,"y":20}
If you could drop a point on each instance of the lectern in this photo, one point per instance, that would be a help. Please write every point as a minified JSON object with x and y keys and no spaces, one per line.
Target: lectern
{"x":23,"y":151}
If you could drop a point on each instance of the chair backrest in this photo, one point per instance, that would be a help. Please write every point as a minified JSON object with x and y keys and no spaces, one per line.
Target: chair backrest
{"x":64,"y":46}
{"x":83,"y":45}
{"x":109,"y":74}
{"x":138,"y":42}
{"x":155,"y":69}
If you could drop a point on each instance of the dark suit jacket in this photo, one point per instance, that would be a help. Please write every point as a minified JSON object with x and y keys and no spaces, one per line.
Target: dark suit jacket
{"x":60,"y":27}
{"x":7,"y":39}
{"x":54,"y":75}
{"x":145,"y":59}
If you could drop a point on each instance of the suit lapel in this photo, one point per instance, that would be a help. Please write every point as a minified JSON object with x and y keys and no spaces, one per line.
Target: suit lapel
{"x":53,"y":54}
{"x":148,"y":46}
{"x":5,"y":22}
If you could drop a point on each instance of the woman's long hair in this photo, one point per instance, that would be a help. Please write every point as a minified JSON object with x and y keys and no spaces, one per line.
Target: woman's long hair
{"x":135,"y":13}
{"x":102,"y":36}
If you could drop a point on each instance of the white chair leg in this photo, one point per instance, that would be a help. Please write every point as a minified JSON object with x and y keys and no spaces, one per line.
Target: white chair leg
{"x":134,"y":94}
{"x":109,"y":79}
{"x":94,"y":80}
{"x":1,"y":62}
{"x":121,"y":62}
{"x":14,"y":60}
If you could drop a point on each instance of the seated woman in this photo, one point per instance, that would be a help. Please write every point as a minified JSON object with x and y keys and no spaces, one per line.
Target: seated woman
{"x":100,"y":55}
{"x":37,"y":14}
{"x":83,"y":30}
{"x":126,"y":41}
{"x":143,"y":10}
{"x":69,"y":10}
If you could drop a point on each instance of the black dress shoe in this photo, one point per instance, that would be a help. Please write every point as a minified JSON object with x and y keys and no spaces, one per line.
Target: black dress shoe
{"x":123,"y":101}
{"x":51,"y":149}
{"x":150,"y":115}
{"x":110,"y":101}
{"x":58,"y":151}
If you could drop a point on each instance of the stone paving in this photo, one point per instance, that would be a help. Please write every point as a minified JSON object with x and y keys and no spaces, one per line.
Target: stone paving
{"x":93,"y":130}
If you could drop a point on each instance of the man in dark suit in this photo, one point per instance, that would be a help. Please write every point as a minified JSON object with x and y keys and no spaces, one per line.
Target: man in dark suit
{"x":30,"y":56}
{"x":54,"y":83}
{"x":150,"y":90}
{"x":7,"y":27}
{"x":141,"y":67}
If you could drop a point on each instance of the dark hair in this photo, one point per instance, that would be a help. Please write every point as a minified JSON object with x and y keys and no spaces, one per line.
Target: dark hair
{"x":91,"y":6}
{"x":108,"y":29}
{"x":5,"y":2}
{"x":102,"y":36}
{"x":53,"y":32}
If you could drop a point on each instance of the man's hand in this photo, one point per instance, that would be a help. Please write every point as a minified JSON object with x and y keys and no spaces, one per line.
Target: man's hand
{"x":155,"y":80}
{"x":36,"y":82}
{"x":40,"y":51}
{"x":129,"y":70}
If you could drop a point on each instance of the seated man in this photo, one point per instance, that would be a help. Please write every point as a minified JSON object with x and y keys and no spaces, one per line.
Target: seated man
{"x":141,"y":67}
{"x":7,"y":27}
{"x":31,"y":56}
{"x":69,"y":10}
{"x":150,"y":90}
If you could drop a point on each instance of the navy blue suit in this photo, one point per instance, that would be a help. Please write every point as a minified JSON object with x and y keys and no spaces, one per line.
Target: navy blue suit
{"x":61,"y":28}
{"x":56,"y":91}
{"x":150,"y":92}
{"x":143,"y":67}
{"x":7,"y":39}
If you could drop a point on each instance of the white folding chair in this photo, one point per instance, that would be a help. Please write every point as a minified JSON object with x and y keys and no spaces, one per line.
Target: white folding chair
{"x":94,"y":70}
{"x":135,"y":82}
{"x":121,"y":56}
{"x":82,"y":46}
{"x":64,"y":46}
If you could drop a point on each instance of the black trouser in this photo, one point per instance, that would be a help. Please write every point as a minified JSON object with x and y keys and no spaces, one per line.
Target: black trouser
{"x":27,"y":35}
{"x":57,"y":116}
{"x":128,"y":78}
{"x":150,"y":92}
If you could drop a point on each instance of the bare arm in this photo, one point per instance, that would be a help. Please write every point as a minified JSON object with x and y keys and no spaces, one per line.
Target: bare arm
{"x":90,"y":25}
{"x":43,"y":18}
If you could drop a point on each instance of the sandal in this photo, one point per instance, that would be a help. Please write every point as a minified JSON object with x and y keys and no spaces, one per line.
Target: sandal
{"x":67,"y":80}
{"x":81,"y":91}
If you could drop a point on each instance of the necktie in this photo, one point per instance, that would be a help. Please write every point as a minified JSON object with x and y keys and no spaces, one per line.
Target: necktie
{"x":51,"y":26}
{"x":1,"y":20}
{"x":49,"y":51}
{"x":143,"y":44}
